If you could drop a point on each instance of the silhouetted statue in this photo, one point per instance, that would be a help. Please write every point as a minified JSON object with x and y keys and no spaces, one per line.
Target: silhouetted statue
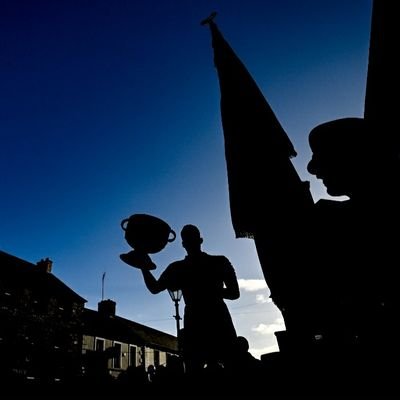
{"x":341,"y":303}
{"x":205,"y":280}
{"x":336,"y":282}
{"x":357,"y":237}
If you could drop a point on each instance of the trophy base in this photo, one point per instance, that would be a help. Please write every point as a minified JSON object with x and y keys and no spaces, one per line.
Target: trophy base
{"x":138,"y":260}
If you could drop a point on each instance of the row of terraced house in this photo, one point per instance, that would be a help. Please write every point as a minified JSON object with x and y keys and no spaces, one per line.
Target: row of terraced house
{"x":47,"y":334}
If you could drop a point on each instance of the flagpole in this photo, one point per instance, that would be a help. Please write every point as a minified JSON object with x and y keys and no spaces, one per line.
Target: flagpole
{"x":102,"y":286}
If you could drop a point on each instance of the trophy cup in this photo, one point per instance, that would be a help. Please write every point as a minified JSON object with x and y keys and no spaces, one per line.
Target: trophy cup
{"x":145,"y":234}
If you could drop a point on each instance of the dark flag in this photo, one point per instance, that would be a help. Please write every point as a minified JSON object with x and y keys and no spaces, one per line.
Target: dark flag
{"x":264,"y":187}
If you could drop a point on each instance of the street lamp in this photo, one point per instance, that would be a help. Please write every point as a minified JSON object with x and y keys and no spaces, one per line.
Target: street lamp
{"x":176,"y":296}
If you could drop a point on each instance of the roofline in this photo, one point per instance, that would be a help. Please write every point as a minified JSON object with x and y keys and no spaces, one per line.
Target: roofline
{"x":31,"y":265}
{"x":132,"y":324}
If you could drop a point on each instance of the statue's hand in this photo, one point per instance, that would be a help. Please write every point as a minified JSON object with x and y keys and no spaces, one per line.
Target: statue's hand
{"x":138,"y":260}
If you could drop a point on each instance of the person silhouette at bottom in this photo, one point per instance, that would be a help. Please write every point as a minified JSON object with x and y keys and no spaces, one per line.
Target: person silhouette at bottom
{"x":245,"y":369}
{"x":205,"y":280}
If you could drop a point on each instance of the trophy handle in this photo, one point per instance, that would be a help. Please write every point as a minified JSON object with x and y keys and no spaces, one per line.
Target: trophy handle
{"x":173,"y":236}
{"x":123,"y":223}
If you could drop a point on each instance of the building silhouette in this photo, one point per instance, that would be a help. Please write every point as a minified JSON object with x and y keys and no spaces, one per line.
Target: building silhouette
{"x":47,"y":335}
{"x":112,"y":344}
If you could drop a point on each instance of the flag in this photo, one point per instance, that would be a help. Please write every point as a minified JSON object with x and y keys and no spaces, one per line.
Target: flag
{"x":263,"y":184}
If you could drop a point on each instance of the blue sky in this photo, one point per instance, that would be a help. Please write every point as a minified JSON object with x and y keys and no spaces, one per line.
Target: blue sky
{"x":111,"y":108}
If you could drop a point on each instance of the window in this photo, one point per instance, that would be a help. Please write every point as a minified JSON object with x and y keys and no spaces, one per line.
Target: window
{"x":117,"y":355}
{"x":99,"y":344}
{"x":156,"y":358}
{"x":132,"y":356}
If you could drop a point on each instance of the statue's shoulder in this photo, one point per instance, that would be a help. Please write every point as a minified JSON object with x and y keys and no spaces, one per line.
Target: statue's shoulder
{"x":327,"y":204}
{"x":217,"y":258}
{"x":177,"y":264}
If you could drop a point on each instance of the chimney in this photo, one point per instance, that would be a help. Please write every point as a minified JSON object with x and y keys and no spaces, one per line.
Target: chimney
{"x":107,"y":308}
{"x":44,"y":265}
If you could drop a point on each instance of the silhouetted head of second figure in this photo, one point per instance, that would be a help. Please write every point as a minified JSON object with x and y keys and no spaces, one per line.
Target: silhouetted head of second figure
{"x":191,"y":239}
{"x":242,"y":344}
{"x":345,"y":156}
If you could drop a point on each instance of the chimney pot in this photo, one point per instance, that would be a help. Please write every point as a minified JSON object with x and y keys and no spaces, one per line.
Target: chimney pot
{"x":107,"y":307}
{"x":45,"y":265}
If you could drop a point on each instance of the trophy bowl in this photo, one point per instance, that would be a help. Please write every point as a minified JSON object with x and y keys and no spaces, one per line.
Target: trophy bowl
{"x":146,"y":234}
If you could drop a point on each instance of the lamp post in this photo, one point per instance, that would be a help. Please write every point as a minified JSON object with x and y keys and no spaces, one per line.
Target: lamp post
{"x":176,"y":296}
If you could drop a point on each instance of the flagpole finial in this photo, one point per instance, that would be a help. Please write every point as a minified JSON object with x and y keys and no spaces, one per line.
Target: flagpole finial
{"x":209,"y":18}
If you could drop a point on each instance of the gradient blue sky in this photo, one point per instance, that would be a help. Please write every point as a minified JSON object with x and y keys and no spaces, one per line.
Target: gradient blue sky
{"x":111,"y":108}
